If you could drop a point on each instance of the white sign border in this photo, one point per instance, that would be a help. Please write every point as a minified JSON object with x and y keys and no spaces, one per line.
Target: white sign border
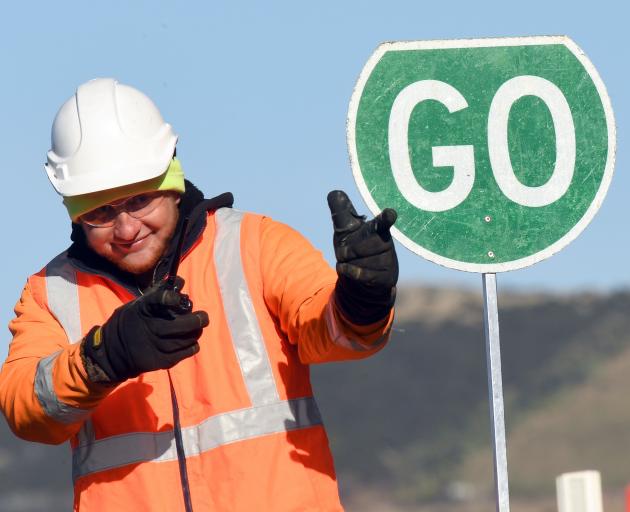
{"x":557,"y":246}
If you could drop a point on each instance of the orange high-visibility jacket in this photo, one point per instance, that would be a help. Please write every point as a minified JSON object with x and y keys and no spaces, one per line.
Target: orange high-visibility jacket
{"x":233,"y":428}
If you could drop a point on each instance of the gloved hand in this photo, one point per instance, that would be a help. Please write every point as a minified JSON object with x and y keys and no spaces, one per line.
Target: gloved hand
{"x":366,"y":261}
{"x":155,"y":331}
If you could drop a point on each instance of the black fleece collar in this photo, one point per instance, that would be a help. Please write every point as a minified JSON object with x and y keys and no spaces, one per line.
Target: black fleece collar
{"x":192,"y":205}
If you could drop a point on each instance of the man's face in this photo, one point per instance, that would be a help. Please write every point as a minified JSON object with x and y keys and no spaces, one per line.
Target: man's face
{"x":135,"y":245}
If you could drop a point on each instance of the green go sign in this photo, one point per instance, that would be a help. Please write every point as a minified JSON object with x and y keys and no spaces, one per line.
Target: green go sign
{"x":496,"y":153}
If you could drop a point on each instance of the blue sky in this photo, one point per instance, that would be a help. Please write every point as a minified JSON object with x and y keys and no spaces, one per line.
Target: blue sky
{"x":258,"y":93}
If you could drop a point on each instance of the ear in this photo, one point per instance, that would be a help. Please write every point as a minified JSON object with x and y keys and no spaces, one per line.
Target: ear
{"x":176,"y":195}
{"x":88,"y":233}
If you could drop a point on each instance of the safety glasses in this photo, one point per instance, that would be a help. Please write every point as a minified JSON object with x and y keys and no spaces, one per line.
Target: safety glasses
{"x":137,"y":206}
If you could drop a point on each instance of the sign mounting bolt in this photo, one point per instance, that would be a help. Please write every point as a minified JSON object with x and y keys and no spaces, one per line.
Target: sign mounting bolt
{"x":490,"y":254}
{"x":487,"y":218}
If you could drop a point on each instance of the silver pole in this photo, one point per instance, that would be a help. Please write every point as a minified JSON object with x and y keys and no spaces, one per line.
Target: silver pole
{"x":495,"y":391}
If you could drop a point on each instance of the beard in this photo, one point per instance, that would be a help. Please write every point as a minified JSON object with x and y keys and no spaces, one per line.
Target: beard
{"x":144,"y":265}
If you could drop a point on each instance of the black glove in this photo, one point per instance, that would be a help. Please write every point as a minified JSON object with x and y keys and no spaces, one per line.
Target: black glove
{"x":155,"y":331}
{"x":366,"y":261}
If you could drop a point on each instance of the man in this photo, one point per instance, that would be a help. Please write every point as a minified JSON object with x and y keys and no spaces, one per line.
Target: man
{"x":169,"y":407}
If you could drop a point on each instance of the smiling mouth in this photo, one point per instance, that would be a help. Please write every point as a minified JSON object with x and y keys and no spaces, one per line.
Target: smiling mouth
{"x":131,"y":246}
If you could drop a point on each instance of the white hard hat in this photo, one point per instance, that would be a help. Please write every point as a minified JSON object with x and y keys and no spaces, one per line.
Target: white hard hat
{"x":107,"y":135}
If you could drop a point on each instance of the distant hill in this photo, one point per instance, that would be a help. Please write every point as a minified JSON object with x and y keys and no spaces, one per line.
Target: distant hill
{"x":410,"y":427}
{"x":413,"y":422}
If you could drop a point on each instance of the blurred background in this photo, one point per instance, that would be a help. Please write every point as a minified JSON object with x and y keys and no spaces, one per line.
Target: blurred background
{"x":258,"y":93}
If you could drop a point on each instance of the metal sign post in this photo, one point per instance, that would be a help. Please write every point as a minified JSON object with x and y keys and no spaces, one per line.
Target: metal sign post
{"x":496,"y":154}
{"x":495,"y":391}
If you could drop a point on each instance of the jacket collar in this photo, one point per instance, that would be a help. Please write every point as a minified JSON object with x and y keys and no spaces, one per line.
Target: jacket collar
{"x":192,"y":205}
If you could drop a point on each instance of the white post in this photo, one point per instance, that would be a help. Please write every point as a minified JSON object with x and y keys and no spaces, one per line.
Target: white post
{"x":580,"y":491}
{"x":495,"y":391}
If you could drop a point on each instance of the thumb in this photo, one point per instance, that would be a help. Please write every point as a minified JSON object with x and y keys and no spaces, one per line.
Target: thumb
{"x":344,"y":216}
{"x":384,"y":220}
{"x":162,"y":298}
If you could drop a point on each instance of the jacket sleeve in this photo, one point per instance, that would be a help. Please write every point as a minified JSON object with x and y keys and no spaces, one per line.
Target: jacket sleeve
{"x":298,"y":286}
{"x":45,"y":394}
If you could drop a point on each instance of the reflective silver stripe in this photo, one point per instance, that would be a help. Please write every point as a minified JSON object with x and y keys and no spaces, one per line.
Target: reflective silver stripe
{"x":340,"y":339}
{"x":214,"y":432}
{"x":45,"y":392}
{"x":63,"y":301}
{"x":116,"y":451}
{"x":239,"y":309}
{"x":86,"y":433}
{"x":251,"y":422}
{"x":63,"y":296}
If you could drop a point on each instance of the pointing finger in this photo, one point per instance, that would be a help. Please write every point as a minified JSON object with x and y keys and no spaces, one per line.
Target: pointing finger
{"x":344,"y":216}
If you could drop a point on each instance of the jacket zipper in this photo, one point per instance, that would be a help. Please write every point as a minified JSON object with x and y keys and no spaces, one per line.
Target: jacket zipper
{"x":179,"y":444}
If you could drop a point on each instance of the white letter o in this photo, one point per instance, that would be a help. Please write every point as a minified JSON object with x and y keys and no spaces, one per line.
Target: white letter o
{"x":498,"y":148}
